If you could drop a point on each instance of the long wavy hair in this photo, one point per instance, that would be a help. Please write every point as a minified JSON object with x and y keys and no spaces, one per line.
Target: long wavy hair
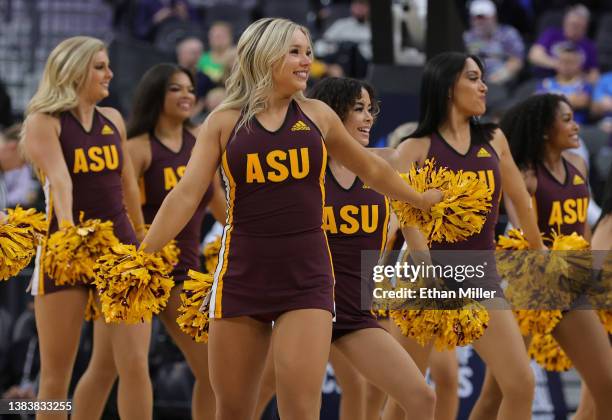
{"x":65,"y":72}
{"x":150,"y":96}
{"x":262,"y":45}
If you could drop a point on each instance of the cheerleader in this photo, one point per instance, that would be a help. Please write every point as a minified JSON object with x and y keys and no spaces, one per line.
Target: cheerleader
{"x":453,"y":95}
{"x":274,"y":263}
{"x":600,"y":241}
{"x":541,"y":130}
{"x":356,"y":219}
{"x":80,"y":151}
{"x":160,"y":141}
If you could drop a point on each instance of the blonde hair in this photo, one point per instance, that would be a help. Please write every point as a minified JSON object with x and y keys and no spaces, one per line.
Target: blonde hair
{"x":65,"y":73}
{"x":263,"y":44}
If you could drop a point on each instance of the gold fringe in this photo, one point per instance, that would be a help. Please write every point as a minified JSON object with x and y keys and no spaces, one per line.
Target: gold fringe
{"x":23,"y":230}
{"x":461,"y":213}
{"x":133,"y":285}
{"x":448,"y":328}
{"x":169,"y":255}
{"x":547,"y":352}
{"x":537,"y":321}
{"x":193,"y":318}
{"x":92,"y":310}
{"x":211,"y":254}
{"x":605,"y":316}
{"x":72,"y":251}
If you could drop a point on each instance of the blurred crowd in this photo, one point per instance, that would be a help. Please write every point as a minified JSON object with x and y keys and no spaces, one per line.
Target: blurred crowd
{"x":528,"y":46}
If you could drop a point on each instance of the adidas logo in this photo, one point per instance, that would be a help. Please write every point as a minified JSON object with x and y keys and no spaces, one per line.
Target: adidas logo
{"x":300,"y":126}
{"x":483,"y":153}
{"x":106,"y":130}
{"x":577,"y":180}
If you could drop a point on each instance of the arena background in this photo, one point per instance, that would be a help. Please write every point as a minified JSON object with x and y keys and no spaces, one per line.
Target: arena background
{"x":29,"y":29}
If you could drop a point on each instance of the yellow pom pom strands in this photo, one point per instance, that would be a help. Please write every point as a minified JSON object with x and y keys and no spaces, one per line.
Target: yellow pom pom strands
{"x":19,"y":235}
{"x":522,"y":287}
{"x":193,"y":318}
{"x":605,"y":316}
{"x":547,"y":352}
{"x":169,"y":255}
{"x":133,"y":285}
{"x":92,"y":310}
{"x":448,"y":328}
{"x":515,"y":240}
{"x":455,"y":322}
{"x":461,"y":213}
{"x":211,"y":254}
{"x":72,"y":251}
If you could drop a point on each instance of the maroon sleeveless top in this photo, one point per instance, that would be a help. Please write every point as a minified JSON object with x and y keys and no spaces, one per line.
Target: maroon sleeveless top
{"x":480,"y":161}
{"x":561,"y":207}
{"x":275,"y":179}
{"x":95,"y":162}
{"x":164,"y":172}
{"x":355,"y":219}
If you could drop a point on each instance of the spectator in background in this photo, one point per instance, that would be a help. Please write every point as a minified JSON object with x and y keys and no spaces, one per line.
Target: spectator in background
{"x":544,"y":54}
{"x":217,"y":62}
{"x":601,"y":106}
{"x":21,"y":188}
{"x":348,"y":41}
{"x":570,"y":81}
{"x":188,"y":53}
{"x":500,"y":46}
{"x":10,"y":158}
{"x":150,"y":14}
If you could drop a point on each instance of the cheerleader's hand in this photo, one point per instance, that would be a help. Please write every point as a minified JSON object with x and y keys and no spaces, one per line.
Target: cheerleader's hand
{"x":3,"y":218}
{"x":430,"y":197}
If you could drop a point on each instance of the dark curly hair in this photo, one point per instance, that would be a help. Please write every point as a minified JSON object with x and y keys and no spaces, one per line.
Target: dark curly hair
{"x":341,"y":93}
{"x":526,"y":124}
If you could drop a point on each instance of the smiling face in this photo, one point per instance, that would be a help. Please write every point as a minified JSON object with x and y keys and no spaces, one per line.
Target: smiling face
{"x":470,"y":92}
{"x":180,"y":98}
{"x":564,"y":132}
{"x":95,"y":87}
{"x":290,"y":74}
{"x":359,"y":118}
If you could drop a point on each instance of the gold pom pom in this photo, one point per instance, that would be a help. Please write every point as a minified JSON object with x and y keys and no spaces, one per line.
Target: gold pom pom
{"x":72,"y":251}
{"x":605,"y":316}
{"x":460,"y":327}
{"x":535,"y":280}
{"x":92,"y":310}
{"x":537,"y":321}
{"x":547,"y":352}
{"x":462,"y":211}
{"x":211,"y":254}
{"x":193,"y":318}
{"x":169,"y":255}
{"x":418,"y":324}
{"x":515,"y":240}
{"x":133,"y":285}
{"x":455,"y":322}
{"x":19,"y":236}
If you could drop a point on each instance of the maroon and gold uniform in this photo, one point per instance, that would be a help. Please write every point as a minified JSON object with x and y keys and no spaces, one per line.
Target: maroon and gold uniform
{"x":164,"y":172}
{"x":95,"y":160}
{"x":274,"y":255}
{"x":561,"y":207}
{"x":355,"y":220}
